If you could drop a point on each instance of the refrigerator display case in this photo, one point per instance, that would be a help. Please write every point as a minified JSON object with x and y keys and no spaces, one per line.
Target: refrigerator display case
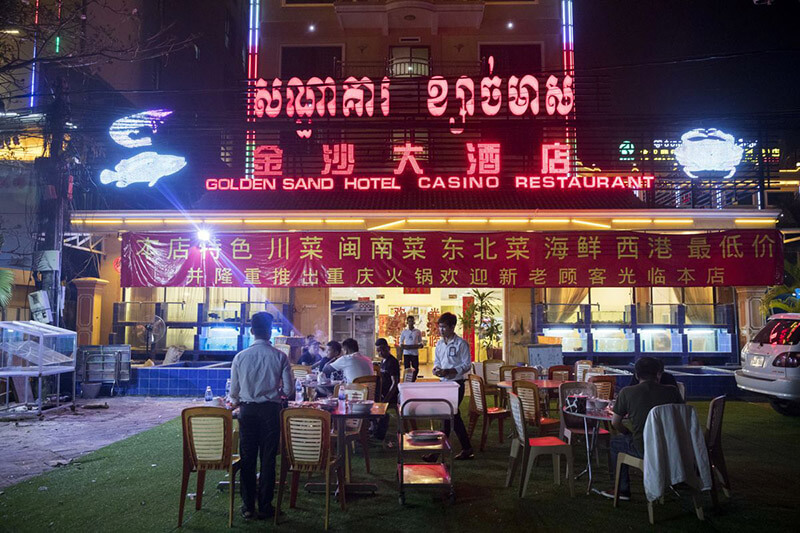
{"x":354,"y":319}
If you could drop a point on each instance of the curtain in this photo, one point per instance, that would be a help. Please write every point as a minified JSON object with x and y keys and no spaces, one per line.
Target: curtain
{"x":693,"y":297}
{"x":569,"y":297}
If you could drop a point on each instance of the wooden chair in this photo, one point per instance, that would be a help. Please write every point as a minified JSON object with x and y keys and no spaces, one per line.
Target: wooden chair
{"x":551,"y":372}
{"x":478,"y":408}
{"x":372,"y":385}
{"x":533,"y":447}
{"x":572,"y":426}
{"x":477,"y":369}
{"x":207,"y":445}
{"x":300,"y":371}
{"x":491,"y":377}
{"x":581,"y":367}
{"x":355,"y":429}
{"x":505,"y":375}
{"x":719,"y":471}
{"x":528,"y":393}
{"x":605,"y":386}
{"x":524,"y":372}
{"x":306,"y":448}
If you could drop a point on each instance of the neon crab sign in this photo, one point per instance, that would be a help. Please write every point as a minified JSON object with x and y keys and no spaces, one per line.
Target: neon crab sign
{"x":708,"y":150}
{"x":364,"y":97}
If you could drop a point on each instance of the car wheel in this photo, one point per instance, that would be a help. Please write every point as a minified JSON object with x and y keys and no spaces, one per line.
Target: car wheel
{"x":785,"y":407}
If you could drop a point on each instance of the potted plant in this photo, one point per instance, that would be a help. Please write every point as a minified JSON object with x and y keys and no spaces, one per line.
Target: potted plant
{"x":480,"y":316}
{"x":783,"y":298}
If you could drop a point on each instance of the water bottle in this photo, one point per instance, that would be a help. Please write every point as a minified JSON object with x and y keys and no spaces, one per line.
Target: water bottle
{"x":209,"y":395}
{"x":228,"y":388}
{"x":342,"y":398}
{"x":298,"y":391}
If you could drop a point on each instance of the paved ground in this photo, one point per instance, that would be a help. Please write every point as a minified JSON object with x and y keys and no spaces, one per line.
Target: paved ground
{"x":30,"y":447}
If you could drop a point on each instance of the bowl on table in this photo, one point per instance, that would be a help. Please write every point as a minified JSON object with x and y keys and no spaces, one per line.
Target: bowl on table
{"x":597,"y":404}
{"x":329,"y":404}
{"x":361,"y":406}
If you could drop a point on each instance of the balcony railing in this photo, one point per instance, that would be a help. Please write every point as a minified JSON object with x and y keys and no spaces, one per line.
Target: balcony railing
{"x":408,"y":68}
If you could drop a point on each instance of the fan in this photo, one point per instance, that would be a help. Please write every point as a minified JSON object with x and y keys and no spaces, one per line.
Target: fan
{"x":151,"y":331}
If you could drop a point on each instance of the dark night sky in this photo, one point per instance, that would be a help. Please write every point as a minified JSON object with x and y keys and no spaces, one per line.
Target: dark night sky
{"x":762,"y":77}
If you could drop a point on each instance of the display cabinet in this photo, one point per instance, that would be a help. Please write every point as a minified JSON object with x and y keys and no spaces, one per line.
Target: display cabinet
{"x":33,"y":350}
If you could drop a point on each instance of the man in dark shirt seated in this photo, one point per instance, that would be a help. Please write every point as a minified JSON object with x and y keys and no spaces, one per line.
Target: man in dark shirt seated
{"x":390,"y":377}
{"x":665,"y":379}
{"x":635,"y":402}
{"x":310,"y":354}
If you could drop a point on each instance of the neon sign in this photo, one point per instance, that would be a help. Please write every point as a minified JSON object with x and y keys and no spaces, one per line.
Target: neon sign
{"x":128,"y":131}
{"x":708,"y":150}
{"x":364,"y":97}
{"x":147,"y":167}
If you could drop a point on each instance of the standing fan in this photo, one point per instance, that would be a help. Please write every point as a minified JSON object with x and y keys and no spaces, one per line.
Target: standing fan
{"x":150,"y":332}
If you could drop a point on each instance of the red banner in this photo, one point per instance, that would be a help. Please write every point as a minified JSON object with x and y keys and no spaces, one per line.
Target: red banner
{"x":442,"y":259}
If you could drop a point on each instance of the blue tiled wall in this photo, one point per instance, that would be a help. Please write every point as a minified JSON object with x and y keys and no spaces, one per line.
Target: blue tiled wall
{"x":177,"y":381}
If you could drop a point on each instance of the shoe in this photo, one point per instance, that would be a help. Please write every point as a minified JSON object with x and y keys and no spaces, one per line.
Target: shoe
{"x":266,"y":515}
{"x":247,"y":515}
{"x":430,"y":457}
{"x":465,"y":455}
{"x":610,"y":495}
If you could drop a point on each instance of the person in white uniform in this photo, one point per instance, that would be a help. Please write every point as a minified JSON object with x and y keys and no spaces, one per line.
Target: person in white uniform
{"x":410,"y":343}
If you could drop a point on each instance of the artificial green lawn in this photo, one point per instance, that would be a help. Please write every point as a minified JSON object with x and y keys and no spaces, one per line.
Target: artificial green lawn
{"x":133,"y":485}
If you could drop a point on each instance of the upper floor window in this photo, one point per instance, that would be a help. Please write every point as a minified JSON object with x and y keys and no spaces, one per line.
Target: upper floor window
{"x":513,"y":59}
{"x":409,"y":61}
{"x":308,"y":61}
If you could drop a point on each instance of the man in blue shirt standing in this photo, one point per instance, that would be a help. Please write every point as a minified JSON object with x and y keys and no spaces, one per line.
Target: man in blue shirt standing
{"x":452,"y":362}
{"x":259,"y":376}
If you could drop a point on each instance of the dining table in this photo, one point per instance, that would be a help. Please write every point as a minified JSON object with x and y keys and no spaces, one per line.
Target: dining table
{"x":544,"y":384}
{"x":598,"y":415}
{"x":339,"y":416}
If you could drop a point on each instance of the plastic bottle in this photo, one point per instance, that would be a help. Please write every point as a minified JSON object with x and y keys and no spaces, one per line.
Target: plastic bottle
{"x":228,"y":388}
{"x":209,"y":395}
{"x":342,"y":398}
{"x":298,"y":391}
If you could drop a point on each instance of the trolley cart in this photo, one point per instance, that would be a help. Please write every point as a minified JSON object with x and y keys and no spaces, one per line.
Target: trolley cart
{"x":412,"y":470}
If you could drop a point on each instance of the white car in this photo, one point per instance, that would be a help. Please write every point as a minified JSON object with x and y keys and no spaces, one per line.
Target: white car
{"x":771,"y":363}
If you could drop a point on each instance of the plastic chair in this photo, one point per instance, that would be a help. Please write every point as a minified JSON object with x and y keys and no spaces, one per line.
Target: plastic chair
{"x":530,"y":396}
{"x":207,"y":445}
{"x":478,"y":408}
{"x":635,"y":462}
{"x":682,"y":389}
{"x":306,"y":448}
{"x":605,"y":386}
{"x":533,"y":447}
{"x":581,"y":367}
{"x":491,"y":377}
{"x":355,"y":429}
{"x":300,"y":371}
{"x":716,"y":410}
{"x":573,"y":426}
{"x":409,"y":375}
{"x":524,"y":372}
{"x":505,"y":375}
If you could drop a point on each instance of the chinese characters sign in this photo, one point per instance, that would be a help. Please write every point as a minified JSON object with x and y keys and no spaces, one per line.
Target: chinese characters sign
{"x":441,"y":259}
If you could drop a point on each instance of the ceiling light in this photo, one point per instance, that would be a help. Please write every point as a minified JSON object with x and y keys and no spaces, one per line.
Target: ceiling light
{"x":312,"y":27}
{"x":203,"y":235}
{"x":510,"y":25}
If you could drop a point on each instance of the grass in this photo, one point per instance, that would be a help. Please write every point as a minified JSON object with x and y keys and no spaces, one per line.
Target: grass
{"x":133,"y":485}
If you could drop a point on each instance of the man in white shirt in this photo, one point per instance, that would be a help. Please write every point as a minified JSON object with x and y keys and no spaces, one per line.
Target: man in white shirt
{"x":410,"y":343}
{"x":452,"y":362}
{"x":259,"y":376}
{"x":352,"y":364}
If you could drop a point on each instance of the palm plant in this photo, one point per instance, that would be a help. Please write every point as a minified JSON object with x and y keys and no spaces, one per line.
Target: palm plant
{"x":480,"y":316}
{"x":6,"y":287}
{"x":782,"y":298}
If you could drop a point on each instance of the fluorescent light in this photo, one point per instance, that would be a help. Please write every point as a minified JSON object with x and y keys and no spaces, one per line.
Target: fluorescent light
{"x":143,"y":221}
{"x":10,"y":32}
{"x":103,"y":221}
{"x":344,"y":220}
{"x":388,"y":225}
{"x":768,"y":221}
{"x":673,"y":221}
{"x":303,"y":221}
{"x":181,"y":221}
{"x":592,"y":224}
{"x":631,"y":221}
{"x":508,"y":221}
{"x":263,"y":220}
{"x":549,"y":221}
{"x":427,"y":221}
{"x":467,"y":220}
{"x":222,"y":220}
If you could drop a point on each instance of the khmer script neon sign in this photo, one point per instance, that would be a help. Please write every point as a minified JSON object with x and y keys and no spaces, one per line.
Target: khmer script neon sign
{"x":365,"y":97}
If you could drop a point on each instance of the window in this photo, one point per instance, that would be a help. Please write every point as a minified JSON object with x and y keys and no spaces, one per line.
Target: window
{"x":307,"y":61}
{"x":513,"y":59}
{"x":779,"y":331}
{"x":409,"y":61}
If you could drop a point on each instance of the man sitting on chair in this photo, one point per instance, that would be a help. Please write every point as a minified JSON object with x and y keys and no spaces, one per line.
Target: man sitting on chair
{"x":635,"y":402}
